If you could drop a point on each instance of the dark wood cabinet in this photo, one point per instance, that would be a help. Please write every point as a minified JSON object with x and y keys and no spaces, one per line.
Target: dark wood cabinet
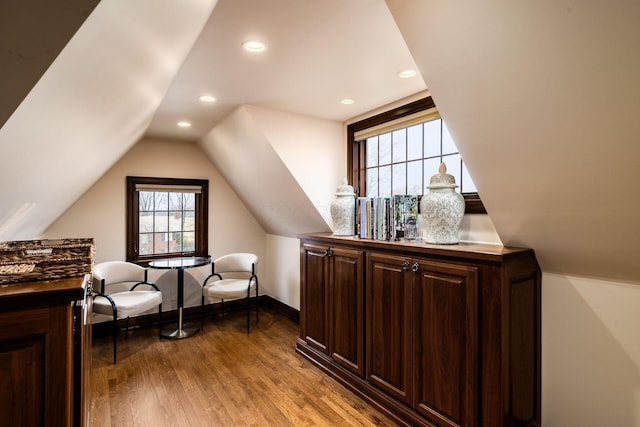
{"x":45,"y":350}
{"x":451,"y":332}
{"x":333,"y":316}
{"x":389,"y":341}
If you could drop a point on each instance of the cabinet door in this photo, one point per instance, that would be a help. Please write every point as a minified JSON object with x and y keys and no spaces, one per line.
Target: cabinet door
{"x":388,"y":330}
{"x":446,"y":330}
{"x":347,"y":309}
{"x":314,"y":296}
{"x":35,"y":367}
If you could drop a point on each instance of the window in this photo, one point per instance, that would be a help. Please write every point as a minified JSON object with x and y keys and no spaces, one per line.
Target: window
{"x":397,"y":152}
{"x":166,"y":217}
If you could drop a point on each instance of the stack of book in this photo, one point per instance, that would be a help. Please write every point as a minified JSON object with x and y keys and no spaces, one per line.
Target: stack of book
{"x":385,"y":218}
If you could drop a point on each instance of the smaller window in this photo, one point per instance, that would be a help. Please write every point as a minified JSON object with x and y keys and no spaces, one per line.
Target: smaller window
{"x":166,"y":217}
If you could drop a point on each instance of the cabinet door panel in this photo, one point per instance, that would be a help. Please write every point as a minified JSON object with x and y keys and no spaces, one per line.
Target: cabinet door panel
{"x":388,"y":314}
{"x":445,"y":307}
{"x":347,"y":309}
{"x":314,"y":296}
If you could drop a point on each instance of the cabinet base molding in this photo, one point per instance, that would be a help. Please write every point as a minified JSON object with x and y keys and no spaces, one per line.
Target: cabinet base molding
{"x":399,"y":412}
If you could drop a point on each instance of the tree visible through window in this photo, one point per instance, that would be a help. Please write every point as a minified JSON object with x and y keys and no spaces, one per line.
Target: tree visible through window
{"x":166,"y":217}
{"x":166,"y":222}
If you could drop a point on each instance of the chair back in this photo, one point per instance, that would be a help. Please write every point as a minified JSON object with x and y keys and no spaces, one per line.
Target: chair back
{"x":107,"y":273}
{"x":236,"y":263}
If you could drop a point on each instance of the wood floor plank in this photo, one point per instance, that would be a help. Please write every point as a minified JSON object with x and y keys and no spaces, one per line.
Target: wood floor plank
{"x":219,"y":377}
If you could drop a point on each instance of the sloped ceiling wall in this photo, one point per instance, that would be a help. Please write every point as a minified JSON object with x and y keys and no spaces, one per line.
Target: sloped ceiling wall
{"x":32,"y":34}
{"x":245,"y":157}
{"x":542,"y":100}
{"x":94,"y":102}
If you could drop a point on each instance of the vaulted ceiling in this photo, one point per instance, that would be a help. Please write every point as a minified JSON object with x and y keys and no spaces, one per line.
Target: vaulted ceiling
{"x":540,"y":97}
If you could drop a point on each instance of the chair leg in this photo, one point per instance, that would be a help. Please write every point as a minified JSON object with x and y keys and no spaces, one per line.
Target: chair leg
{"x":248,"y":310}
{"x":202,"y":314}
{"x":160,"y":321}
{"x":115,"y":338}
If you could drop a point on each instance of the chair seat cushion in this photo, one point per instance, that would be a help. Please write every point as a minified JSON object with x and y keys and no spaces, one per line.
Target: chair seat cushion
{"x":228,"y":289}
{"x":129,"y":303}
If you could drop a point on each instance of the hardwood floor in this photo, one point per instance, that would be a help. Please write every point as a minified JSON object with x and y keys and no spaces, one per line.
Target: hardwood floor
{"x":222,"y":377}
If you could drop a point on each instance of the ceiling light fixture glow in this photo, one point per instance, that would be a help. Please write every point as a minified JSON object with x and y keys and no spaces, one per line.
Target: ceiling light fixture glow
{"x":405,"y":74}
{"x":253,"y":46}
{"x":206,"y":98}
{"x":184,"y":124}
{"x":347,"y":101}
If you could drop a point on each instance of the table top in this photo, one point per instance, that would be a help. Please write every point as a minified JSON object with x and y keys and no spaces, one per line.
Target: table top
{"x":178,"y":263}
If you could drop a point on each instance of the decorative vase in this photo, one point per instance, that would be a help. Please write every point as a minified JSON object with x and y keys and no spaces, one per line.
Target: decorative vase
{"x":343,"y":210}
{"x":442,"y":209}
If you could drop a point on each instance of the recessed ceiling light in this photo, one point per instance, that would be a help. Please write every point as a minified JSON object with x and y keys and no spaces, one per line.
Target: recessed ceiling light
{"x":184,"y":124}
{"x":253,"y":46}
{"x":206,"y":98}
{"x":347,"y":101}
{"x":405,"y":74}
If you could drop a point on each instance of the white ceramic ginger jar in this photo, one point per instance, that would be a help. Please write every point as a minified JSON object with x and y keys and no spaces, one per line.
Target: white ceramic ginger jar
{"x":442,"y":209}
{"x":343,"y":210}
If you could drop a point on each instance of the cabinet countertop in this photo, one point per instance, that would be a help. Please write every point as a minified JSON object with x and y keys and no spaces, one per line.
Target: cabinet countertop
{"x":480,"y":251}
{"x":45,"y":292}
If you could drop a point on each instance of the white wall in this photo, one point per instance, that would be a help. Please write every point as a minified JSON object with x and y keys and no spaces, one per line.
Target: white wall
{"x":312,"y":149}
{"x":100,"y":212}
{"x":283,"y":256}
{"x":590,"y":352}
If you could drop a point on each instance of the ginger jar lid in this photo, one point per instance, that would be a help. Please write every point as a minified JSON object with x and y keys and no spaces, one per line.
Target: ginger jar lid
{"x":442,"y":179}
{"x":345,"y":189}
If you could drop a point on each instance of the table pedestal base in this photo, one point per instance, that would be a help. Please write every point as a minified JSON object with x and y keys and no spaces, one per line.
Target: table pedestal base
{"x":186,"y":331}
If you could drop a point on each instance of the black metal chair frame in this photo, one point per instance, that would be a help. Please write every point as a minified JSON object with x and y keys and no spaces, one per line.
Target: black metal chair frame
{"x":115,"y":311}
{"x":219,"y":276}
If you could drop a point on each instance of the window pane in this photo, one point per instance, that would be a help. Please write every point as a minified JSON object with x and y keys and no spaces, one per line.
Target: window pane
{"x":189,"y":200}
{"x":468,"y":185}
{"x":414,"y":178}
{"x":189,"y":221}
{"x":448,"y":146}
{"x":160,"y":243}
{"x":188,"y":242}
{"x":430,"y":168}
{"x":145,"y":222}
{"x":432,"y":138}
{"x":453,"y":166}
{"x":384,"y":189}
{"x":399,"y":138}
{"x":162,"y":201}
{"x":145,"y":243}
{"x":175,"y":244}
{"x":414,"y":142}
{"x":384,"y":145}
{"x":372,"y":151}
{"x":400,"y":178}
{"x":175,"y":201}
{"x":145,"y":201}
{"x":175,"y":221}
{"x":161,"y":221}
{"x":372,"y":182}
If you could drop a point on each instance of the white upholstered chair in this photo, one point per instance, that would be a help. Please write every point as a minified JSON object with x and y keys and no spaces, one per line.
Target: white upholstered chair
{"x":121,"y":291}
{"x":233,"y":276}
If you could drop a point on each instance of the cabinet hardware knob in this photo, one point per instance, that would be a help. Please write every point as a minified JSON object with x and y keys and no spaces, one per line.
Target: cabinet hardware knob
{"x":415,"y":267}
{"x":328,"y":252}
{"x":405,"y":266}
